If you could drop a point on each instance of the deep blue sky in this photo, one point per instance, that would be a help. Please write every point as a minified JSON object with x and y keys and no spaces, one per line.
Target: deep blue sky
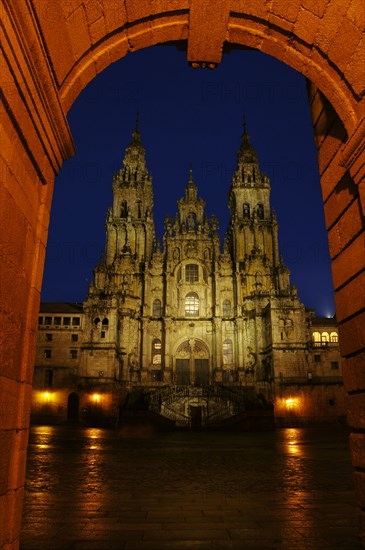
{"x":188,"y":117}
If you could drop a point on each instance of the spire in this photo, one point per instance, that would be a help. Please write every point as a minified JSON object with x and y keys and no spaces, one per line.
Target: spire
{"x":246,"y":153}
{"x":191,"y":191}
{"x":134,"y":160}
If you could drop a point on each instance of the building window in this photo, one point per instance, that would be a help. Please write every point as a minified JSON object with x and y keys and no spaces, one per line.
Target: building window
{"x":334,"y":337}
{"x":124,"y":209}
{"x":178,"y":276}
{"x":192,"y":304}
{"x":96,"y":321}
{"x":74,"y":337}
{"x":40,"y":320}
{"x":316,"y":338}
{"x":102,"y":334}
{"x":47,"y":353}
{"x":66,"y":321}
{"x":325,"y":337}
{"x":191,"y":273}
{"x":48,"y":378}
{"x":105,"y":324}
{"x":76,"y":321}
{"x":48,"y":320}
{"x":156,"y":352}
{"x":156,"y":308}
{"x":317,"y":358}
{"x":227,"y":352}
{"x":226,"y":310}
{"x":57,"y":321}
{"x":246,"y":210}
{"x":73,"y":353}
{"x":49,"y":337}
{"x":335,"y":365}
{"x":260,"y":211}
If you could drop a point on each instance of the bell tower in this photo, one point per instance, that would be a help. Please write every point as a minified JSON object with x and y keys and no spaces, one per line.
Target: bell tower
{"x":253,"y":230}
{"x":129,"y":225}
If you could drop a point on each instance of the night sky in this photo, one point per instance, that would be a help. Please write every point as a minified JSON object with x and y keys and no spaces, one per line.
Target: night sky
{"x":190,"y":117}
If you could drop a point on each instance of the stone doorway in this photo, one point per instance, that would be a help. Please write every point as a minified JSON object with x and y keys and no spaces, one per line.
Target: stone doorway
{"x":192,"y":363}
{"x":73,"y":406}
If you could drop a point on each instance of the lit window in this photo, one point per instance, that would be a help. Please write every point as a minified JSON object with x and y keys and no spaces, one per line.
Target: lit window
{"x":47,"y":353}
{"x":325,"y":337}
{"x":335,"y":365}
{"x":74,"y":337}
{"x":156,"y":308}
{"x":227,"y":352}
{"x":49,"y":337}
{"x":191,"y":305}
{"x":156,"y":351}
{"x":191,"y":273}
{"x":226,"y":308}
{"x":316,"y":338}
{"x":334,"y":337}
{"x":73,"y":354}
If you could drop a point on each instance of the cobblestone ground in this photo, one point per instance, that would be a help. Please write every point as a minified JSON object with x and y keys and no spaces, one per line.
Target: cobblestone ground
{"x":89,"y":488}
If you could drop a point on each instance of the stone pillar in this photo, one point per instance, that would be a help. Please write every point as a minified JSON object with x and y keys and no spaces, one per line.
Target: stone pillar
{"x":34,"y":142}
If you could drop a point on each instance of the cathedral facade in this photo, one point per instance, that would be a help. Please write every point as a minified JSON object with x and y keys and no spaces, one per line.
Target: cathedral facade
{"x":192,"y":312}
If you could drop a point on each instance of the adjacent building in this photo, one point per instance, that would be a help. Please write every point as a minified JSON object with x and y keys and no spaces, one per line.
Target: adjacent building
{"x":194,"y":323}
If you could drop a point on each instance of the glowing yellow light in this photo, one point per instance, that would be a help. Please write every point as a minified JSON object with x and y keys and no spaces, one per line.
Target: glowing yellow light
{"x":46,"y":395}
{"x":96,"y":397}
{"x":290,"y":402}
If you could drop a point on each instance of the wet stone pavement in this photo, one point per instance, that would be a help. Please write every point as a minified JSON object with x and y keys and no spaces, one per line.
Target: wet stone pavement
{"x":89,"y":488}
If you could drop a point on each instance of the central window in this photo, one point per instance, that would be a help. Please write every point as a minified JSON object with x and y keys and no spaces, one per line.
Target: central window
{"x":191,"y":273}
{"x":192,"y":305}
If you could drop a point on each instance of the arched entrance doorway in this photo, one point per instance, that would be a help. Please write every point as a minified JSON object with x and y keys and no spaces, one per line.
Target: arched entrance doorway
{"x":192,"y":363}
{"x":73,"y":406}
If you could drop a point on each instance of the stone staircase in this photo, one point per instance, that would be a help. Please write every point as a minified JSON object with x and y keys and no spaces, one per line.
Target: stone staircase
{"x":208,"y":406}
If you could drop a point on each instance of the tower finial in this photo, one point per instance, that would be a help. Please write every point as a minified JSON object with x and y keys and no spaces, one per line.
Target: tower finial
{"x":244,"y":124}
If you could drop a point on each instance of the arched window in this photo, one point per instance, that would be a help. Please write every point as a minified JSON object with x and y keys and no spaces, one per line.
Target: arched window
{"x":316,"y":338}
{"x":139,"y":209}
{"x":124,"y":209}
{"x":334,"y":337}
{"x":226,"y":310}
{"x":246,"y":210}
{"x":96,"y":321}
{"x":192,"y":304}
{"x":156,"y":351}
{"x":260,"y":211}
{"x":156,"y":308}
{"x":227,"y":352}
{"x":191,"y":273}
{"x":325,"y":337}
{"x":105,"y":323}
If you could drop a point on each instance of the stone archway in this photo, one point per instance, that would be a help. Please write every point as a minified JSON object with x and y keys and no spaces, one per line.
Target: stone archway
{"x":53,"y":49}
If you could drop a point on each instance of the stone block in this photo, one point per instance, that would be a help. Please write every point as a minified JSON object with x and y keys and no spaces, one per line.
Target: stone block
{"x":349,"y":262}
{"x":345,"y":304}
{"x":356,"y":411}
{"x":353,"y":371}
{"x":346,"y":228}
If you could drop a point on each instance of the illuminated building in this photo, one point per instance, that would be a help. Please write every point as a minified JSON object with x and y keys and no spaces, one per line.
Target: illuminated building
{"x":192,"y":314}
